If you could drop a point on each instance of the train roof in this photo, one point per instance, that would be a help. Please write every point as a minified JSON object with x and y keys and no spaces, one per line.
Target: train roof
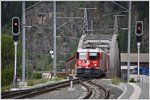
{"x":89,"y":50}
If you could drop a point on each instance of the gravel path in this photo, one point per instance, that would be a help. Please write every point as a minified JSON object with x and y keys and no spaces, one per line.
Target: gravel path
{"x":62,"y":93}
{"x":113,"y":90}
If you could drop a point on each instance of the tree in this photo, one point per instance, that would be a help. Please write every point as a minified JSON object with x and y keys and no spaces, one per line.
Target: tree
{"x":7,"y":50}
{"x":7,"y":76}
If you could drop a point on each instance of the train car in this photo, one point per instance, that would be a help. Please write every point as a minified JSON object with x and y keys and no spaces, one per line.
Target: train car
{"x":91,"y":62}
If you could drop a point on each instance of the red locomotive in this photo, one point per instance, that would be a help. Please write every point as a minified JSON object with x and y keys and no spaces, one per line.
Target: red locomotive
{"x":91,"y":62}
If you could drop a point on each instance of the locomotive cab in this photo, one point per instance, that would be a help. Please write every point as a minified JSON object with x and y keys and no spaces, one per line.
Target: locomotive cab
{"x":89,"y":63}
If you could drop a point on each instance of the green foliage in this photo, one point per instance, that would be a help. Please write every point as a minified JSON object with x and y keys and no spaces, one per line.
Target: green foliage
{"x":132,"y":80}
{"x":47,"y":67}
{"x":19,"y":72}
{"x":37,"y":75}
{"x":62,"y":75}
{"x":116,"y":80}
{"x":7,"y":76}
{"x":74,"y":51}
{"x":56,"y":79}
{"x":39,"y":81}
{"x":8,"y":60}
{"x":19,"y":51}
{"x":34,"y":82}
{"x":6,"y":88}
{"x":39,"y":69}
{"x":7,"y":50}
{"x":7,"y":29}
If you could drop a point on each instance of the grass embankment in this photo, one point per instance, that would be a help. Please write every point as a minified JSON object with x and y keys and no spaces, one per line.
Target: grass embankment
{"x":116,"y":80}
{"x":40,"y":81}
{"x":37,"y":81}
{"x":32,"y":82}
{"x":6,"y":88}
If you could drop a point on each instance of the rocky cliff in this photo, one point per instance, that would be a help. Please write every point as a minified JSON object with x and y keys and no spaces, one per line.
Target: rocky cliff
{"x":39,"y":38}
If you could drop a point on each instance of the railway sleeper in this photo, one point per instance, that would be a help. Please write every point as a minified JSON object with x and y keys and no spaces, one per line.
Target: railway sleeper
{"x":106,"y":91}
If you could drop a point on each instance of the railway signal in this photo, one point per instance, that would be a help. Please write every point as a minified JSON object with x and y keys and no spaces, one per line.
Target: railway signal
{"x":15,"y":31}
{"x":15,"y":38}
{"x":139,"y":28}
{"x":138,"y":32}
{"x":15,"y":25}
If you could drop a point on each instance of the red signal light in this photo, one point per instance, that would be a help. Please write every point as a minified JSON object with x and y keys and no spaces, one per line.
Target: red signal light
{"x":15,"y":25}
{"x":139,"y":28}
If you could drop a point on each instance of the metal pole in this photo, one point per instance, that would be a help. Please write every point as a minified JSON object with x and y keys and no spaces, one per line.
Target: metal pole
{"x":54,"y":62}
{"x":85,"y":23}
{"x":138,"y":45}
{"x":15,"y":69}
{"x":129,"y":33}
{"x":23,"y":41}
{"x":116,"y":23}
{"x":85,"y":20}
{"x":92,"y":27}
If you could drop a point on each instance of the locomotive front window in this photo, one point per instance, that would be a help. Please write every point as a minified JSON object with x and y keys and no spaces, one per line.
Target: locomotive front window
{"x":93,"y":56}
{"x":82,"y":56}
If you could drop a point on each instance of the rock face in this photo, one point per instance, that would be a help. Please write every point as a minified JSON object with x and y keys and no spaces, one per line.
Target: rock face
{"x":40,"y":36}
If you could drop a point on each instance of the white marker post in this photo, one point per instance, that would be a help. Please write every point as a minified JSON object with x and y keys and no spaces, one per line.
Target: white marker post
{"x":71,"y":84}
{"x":15,"y":69}
{"x":138,"y":45}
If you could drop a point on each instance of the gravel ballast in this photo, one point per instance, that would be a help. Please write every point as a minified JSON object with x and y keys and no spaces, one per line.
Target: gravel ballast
{"x":114,"y":91}
{"x":62,"y":93}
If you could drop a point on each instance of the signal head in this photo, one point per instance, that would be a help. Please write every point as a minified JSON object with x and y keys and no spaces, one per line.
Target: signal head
{"x":15,"y":25}
{"x":139,"y":28}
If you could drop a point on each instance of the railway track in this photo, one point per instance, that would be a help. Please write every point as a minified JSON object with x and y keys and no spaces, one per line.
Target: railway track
{"x":88,"y":84}
{"x":95,"y":91}
{"x":21,"y":94}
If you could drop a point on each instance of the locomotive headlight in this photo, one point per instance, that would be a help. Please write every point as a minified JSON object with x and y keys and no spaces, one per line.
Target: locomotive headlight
{"x":95,"y":64}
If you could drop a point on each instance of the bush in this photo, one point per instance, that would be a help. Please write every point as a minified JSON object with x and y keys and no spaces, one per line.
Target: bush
{"x":37,"y":75}
{"x":116,"y":80}
{"x":6,"y":88}
{"x":7,"y":50}
{"x":34,"y":82}
{"x":62,"y":75}
{"x":132,"y":80}
{"x":56,"y":79}
{"x":7,"y":76}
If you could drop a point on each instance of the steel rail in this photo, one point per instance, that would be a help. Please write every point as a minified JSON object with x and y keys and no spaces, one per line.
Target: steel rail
{"x":90,"y":92}
{"x":106,"y":95}
{"x":20,"y":94}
